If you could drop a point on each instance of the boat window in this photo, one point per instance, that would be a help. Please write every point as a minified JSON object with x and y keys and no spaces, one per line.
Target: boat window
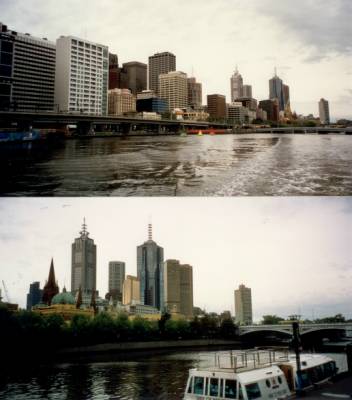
{"x":198,"y":385}
{"x":206,"y":385}
{"x":221,"y":387}
{"x":240,"y":392}
{"x":304,"y":380}
{"x":214,"y":387}
{"x":230,"y":389}
{"x":268,"y":384}
{"x":253,"y":391}
{"x":190,"y":384}
{"x":329,"y":369}
{"x":279,"y":379}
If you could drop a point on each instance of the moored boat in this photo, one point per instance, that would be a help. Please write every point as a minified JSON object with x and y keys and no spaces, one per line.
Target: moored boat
{"x":258,"y":374}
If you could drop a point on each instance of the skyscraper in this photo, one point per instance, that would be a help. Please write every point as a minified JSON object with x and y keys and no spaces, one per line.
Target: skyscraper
{"x":216,"y":104}
{"x":236,"y":86}
{"x":324,"y":113}
{"x":34,"y":296}
{"x":276,"y":91}
{"x":247,"y":91}
{"x":51,"y":287}
{"x":135,"y":76}
{"x":116,"y":279}
{"x":27,"y":72}
{"x":81,"y":75}
{"x":178,"y":288}
{"x":194,"y":93}
{"x":173,"y":89}
{"x":150,"y":258}
{"x":114,"y":72}
{"x":243,"y":305}
{"x":160,"y":63}
{"x":84,"y":263}
{"x":131,"y":290}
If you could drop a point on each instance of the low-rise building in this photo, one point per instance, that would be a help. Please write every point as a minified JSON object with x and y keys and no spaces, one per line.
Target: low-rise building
{"x":121,"y":101}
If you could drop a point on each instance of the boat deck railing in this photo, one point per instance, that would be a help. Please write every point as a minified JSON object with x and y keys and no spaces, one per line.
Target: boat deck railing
{"x":251,"y":359}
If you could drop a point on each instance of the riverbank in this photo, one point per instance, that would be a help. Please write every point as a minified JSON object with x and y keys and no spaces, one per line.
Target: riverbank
{"x":123,"y":348}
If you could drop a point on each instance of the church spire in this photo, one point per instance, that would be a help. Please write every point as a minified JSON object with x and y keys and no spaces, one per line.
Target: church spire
{"x":51,"y":277}
{"x":51,"y":288}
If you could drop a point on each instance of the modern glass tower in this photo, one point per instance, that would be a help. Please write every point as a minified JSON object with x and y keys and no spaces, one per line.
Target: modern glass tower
{"x":84,"y":263}
{"x":276,"y":91}
{"x":150,"y":259}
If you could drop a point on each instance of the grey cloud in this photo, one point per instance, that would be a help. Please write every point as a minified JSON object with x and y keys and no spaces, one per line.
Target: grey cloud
{"x":323,"y":26}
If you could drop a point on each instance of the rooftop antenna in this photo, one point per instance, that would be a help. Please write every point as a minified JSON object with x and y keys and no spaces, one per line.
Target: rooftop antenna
{"x":150,"y":231}
{"x":84,"y":231}
{"x":275,"y":71}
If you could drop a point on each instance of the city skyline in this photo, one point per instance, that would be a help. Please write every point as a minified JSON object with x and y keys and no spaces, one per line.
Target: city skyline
{"x":243,"y":240}
{"x":266,"y":35}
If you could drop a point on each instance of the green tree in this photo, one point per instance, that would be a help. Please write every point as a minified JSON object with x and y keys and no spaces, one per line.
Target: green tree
{"x":271,"y":320}
{"x":228,"y":329}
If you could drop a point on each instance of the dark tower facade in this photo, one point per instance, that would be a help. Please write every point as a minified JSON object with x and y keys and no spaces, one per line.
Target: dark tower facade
{"x":150,"y":259}
{"x":51,"y":287}
{"x":84,"y":263}
{"x":34,"y":296}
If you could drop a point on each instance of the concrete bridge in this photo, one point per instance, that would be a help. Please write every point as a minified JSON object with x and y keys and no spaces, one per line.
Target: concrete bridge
{"x":318,"y":130}
{"x":287,"y":328}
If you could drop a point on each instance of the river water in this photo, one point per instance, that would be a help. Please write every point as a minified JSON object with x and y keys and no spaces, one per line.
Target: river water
{"x":157,"y":377}
{"x":224,"y":165}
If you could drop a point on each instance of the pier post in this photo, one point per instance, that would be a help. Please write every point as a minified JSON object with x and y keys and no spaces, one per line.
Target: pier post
{"x":349,"y":358}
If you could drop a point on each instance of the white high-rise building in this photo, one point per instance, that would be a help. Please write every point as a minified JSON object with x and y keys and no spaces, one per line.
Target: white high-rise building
{"x":173,"y":87}
{"x":324,"y":113}
{"x":82,"y":73}
{"x":236,"y":86}
{"x":243,"y":305}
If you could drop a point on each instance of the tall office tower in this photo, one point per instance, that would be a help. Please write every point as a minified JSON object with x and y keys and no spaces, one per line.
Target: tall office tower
{"x":34,"y":296}
{"x":81,"y":77}
{"x":116,"y":279}
{"x":114,"y":72}
{"x":276,"y":91}
{"x":178,"y":288}
{"x":247,"y":91}
{"x":84,"y":263}
{"x":324,"y":113}
{"x":131,"y":290}
{"x":121,"y":101}
{"x":135,"y":76}
{"x":236,"y":86}
{"x":243,"y":305}
{"x":51,"y":287}
{"x":160,"y":63}
{"x":286,"y":95}
{"x":173,"y":88}
{"x":194,"y":93}
{"x":216,"y":104}
{"x":27,"y":71}
{"x":150,"y":259}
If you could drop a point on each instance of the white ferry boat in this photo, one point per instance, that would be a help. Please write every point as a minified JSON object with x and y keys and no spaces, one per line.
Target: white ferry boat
{"x":258,"y":374}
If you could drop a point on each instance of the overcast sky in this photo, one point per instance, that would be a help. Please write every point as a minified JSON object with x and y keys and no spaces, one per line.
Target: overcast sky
{"x":308,"y":40}
{"x":295,"y":253}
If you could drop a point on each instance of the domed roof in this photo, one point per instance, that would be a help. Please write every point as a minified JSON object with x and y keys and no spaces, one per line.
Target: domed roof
{"x":63,"y":298}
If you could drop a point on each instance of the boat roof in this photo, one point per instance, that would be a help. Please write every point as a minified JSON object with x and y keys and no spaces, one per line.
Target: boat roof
{"x":308,"y":360}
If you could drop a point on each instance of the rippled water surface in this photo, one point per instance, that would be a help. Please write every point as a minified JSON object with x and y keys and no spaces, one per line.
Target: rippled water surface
{"x":158,"y":377}
{"x":227,"y":165}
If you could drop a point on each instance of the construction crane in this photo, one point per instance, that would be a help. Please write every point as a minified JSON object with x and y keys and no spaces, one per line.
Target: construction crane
{"x":6,"y":292}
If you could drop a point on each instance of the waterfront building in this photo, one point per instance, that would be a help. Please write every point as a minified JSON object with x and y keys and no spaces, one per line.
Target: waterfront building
{"x":271,"y":107}
{"x":66,"y":305}
{"x":276,"y":91}
{"x":121,"y":101}
{"x":324,"y":113}
{"x":81,"y":79}
{"x":150,"y":259}
{"x":131,"y":290}
{"x":148,"y":101}
{"x":236,"y":113}
{"x":160,"y":63}
{"x":178,"y":288}
{"x":246,"y":91}
{"x":143,"y":311}
{"x":116,"y":279}
{"x":236,"y":86}
{"x":34,"y":296}
{"x":195,"y":115}
{"x":84,"y":263}
{"x":248,"y":102}
{"x":134,"y":76}
{"x":27,"y":71}
{"x":262,"y":114}
{"x":173,"y":88}
{"x":51,"y":287}
{"x":243,"y":305}
{"x":216,"y":106}
{"x":194,"y":94}
{"x":114,"y":72}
